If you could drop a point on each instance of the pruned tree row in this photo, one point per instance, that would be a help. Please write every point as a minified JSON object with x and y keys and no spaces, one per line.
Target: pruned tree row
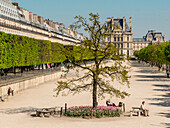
{"x":156,"y":55}
{"x":24,"y":52}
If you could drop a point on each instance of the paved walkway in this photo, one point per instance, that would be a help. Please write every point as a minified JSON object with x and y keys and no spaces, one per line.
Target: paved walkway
{"x":146,"y":84}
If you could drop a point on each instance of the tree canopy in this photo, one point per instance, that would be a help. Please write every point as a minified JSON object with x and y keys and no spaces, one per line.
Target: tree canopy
{"x":98,"y":75}
{"x":159,"y":54}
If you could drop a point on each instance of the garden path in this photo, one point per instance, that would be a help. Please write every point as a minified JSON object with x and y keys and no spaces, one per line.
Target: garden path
{"x":146,"y":84}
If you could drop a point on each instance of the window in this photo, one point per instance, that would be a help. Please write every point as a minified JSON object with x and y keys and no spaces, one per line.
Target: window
{"x":121,"y":38}
{"x":122,"y":52}
{"x":118,"y":39}
{"x":127,"y":52}
{"x":118,"y":45}
{"x":127,"y":45}
{"x":108,"y":38}
{"x":114,"y":38}
{"x":127,"y":38}
{"x":121,"y":45}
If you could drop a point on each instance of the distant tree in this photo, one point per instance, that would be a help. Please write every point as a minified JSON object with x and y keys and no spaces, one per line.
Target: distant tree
{"x":167,"y":51}
{"x":98,"y":73}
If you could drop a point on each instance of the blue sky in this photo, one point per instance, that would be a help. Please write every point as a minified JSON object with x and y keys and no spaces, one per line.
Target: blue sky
{"x":146,"y":14}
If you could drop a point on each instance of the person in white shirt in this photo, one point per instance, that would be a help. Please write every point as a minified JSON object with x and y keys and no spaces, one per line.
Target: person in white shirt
{"x":143,"y":107}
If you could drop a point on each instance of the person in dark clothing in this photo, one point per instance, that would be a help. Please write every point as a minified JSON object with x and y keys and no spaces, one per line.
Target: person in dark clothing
{"x":109,"y":103}
{"x":10,"y":91}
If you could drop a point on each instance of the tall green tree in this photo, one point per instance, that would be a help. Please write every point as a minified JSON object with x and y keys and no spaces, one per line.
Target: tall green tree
{"x":99,"y":74}
{"x":167,"y":52}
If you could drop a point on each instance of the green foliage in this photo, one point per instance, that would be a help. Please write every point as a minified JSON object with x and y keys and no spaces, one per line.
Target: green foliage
{"x":156,"y":54}
{"x":88,"y":111}
{"x":20,"y":51}
{"x":167,"y":51}
{"x":95,"y":76}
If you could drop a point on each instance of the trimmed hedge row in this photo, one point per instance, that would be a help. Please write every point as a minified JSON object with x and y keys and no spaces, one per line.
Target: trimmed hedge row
{"x":21,"y":51}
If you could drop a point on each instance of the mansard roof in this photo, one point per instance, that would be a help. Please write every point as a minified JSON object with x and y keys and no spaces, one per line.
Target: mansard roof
{"x":153,"y":34}
{"x":119,"y":22}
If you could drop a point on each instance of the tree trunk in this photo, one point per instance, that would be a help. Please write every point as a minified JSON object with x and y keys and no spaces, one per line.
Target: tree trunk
{"x":15,"y":70}
{"x":94,"y":92}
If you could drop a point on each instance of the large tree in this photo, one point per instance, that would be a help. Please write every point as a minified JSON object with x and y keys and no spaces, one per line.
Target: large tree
{"x":98,"y":75}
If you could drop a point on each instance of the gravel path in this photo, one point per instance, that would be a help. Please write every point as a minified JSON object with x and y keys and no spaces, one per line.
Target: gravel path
{"x":146,"y":84}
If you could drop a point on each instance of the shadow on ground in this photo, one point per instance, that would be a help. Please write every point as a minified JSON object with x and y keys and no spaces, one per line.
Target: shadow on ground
{"x":27,"y":110}
{"x":167,"y":125}
{"x":162,"y":100}
{"x":156,"y":77}
{"x":136,"y":64}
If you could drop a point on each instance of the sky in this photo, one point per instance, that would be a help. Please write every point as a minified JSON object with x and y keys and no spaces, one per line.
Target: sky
{"x":146,"y":14}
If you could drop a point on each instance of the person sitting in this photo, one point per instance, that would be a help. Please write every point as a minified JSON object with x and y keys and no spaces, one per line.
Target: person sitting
{"x":10,"y":91}
{"x":109,"y":103}
{"x":143,"y":108}
{"x":1,"y":99}
{"x":120,"y":104}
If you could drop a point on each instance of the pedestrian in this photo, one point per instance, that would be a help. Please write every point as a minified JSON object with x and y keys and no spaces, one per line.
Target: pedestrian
{"x":10,"y":91}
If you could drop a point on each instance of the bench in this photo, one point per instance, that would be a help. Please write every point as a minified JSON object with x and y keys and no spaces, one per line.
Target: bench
{"x":136,"y":110}
{"x":43,"y":113}
{"x":46,"y":112}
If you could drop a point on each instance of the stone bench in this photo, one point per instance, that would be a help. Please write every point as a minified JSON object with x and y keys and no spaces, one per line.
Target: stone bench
{"x":43,"y":113}
{"x":135,"y":110}
{"x":47,"y":112}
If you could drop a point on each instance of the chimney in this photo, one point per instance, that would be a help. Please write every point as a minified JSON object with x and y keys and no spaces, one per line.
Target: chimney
{"x":35,"y":18}
{"x":130,"y":24}
{"x":124,"y":23}
{"x":15,"y":4}
{"x":31,"y":16}
{"x":108,"y":19}
{"x":112,"y":23}
{"x":41,"y":20}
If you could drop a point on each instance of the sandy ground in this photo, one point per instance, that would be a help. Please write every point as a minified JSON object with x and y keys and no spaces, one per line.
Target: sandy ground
{"x":146,"y":84}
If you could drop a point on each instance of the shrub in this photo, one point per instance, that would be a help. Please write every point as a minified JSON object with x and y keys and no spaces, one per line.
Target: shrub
{"x":87,"y":111}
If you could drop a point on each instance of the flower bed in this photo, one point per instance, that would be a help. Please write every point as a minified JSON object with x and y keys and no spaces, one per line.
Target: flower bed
{"x":88,"y":111}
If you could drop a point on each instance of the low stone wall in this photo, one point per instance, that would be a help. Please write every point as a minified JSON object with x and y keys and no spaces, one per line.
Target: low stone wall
{"x":29,"y":83}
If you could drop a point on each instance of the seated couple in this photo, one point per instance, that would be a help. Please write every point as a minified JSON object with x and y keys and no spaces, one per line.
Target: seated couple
{"x":109,"y":103}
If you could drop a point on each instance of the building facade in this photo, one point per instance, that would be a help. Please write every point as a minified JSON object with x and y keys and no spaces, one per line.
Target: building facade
{"x":120,"y":34}
{"x":16,"y":20}
{"x":152,"y":37}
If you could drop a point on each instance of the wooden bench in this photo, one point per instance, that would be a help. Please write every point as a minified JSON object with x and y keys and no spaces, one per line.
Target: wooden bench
{"x":136,"y":110}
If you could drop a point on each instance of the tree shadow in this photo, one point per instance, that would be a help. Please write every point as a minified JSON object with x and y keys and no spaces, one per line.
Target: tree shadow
{"x":149,"y":71}
{"x":162,"y":100}
{"x":10,"y":111}
{"x":167,"y":125}
{"x":152,"y":78}
{"x":167,"y":115}
{"x":136,"y":64}
{"x":149,"y":76}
